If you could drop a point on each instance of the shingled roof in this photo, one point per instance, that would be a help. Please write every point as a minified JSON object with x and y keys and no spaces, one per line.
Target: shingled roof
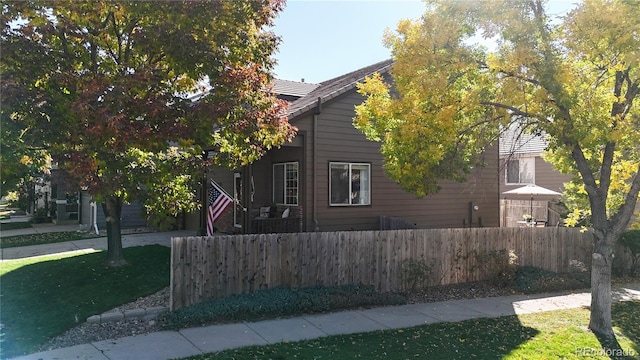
{"x":331,"y":88}
{"x":292,"y":88}
{"x":515,"y":142}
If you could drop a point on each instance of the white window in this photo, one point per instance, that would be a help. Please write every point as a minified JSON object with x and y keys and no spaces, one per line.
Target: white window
{"x":285,"y":183}
{"x":349,"y":184}
{"x":521,"y":171}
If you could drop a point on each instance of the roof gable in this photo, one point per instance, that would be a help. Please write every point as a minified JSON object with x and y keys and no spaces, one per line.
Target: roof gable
{"x":331,"y":88}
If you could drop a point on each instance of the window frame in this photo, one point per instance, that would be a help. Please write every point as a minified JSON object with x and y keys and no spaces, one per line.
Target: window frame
{"x":349,"y":169}
{"x":285,"y":186}
{"x":521,"y":161}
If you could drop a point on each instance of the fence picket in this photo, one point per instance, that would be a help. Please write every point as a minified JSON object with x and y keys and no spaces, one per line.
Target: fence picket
{"x":210,"y":267}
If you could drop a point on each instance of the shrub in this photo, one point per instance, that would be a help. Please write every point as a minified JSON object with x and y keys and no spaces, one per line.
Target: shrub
{"x":531,"y":279}
{"x":41,"y":215}
{"x":278,"y":302}
{"x":415,"y":273}
{"x":579,"y":271}
{"x":618,"y":267}
{"x":526,"y":278}
{"x":499,"y":266}
{"x":631,"y":240}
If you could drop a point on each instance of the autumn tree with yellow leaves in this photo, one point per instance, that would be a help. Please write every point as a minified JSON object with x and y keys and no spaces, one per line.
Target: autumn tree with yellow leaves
{"x":575,"y":79}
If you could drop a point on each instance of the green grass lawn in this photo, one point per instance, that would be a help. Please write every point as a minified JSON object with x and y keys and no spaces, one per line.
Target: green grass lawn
{"x":43,"y":238}
{"x":5,"y":214}
{"x":548,"y":335}
{"x":44,"y":296}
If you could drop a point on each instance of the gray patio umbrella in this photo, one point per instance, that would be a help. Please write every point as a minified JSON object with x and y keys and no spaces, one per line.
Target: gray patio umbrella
{"x":532,"y":189}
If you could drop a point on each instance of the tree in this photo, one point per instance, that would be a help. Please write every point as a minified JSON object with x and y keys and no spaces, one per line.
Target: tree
{"x":22,"y":160}
{"x":105,"y":88}
{"x":18,"y":160}
{"x":575,"y":80}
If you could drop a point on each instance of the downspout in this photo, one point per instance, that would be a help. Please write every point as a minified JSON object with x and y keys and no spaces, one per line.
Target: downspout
{"x":313,"y":166}
{"x":247,"y":173}
{"x":80,"y":207}
{"x":94,"y":217}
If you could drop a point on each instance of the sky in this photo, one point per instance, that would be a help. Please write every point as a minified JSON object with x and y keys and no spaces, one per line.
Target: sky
{"x":323,"y":39}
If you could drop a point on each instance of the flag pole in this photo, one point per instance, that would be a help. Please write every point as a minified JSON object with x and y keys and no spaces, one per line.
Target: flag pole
{"x":235,"y":201}
{"x":221,"y":188}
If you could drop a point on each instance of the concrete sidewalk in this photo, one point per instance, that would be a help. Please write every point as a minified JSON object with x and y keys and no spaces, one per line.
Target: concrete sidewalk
{"x":38,"y":228}
{"x":195,"y":341}
{"x":85,"y":245}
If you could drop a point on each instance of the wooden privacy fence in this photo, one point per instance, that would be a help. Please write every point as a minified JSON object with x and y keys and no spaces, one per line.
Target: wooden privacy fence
{"x":512,"y":211}
{"x":204,"y":268}
{"x":394,"y":223}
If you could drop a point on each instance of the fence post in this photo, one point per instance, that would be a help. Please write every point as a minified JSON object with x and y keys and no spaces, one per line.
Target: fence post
{"x":203,"y":268}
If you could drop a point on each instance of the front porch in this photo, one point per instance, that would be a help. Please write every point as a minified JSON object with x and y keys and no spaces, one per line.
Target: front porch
{"x":283,"y":221}
{"x":268,"y":194}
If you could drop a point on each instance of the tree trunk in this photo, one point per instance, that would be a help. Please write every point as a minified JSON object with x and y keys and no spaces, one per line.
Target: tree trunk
{"x":112,"y":209}
{"x":600,"y":322}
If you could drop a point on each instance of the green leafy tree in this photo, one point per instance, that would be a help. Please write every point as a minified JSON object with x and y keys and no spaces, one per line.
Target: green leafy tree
{"x":575,"y":79}
{"x":105,"y":88}
{"x":22,"y":159}
{"x":18,"y":161}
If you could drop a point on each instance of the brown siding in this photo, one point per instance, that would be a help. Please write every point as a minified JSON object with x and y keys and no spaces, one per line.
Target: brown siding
{"x":262,"y":181}
{"x":545,"y":176}
{"x":548,"y":177}
{"x":262,"y":171}
{"x":338,"y":140}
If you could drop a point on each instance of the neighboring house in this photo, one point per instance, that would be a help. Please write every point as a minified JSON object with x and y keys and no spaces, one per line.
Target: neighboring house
{"x":331,"y":177}
{"x":75,"y":206}
{"x":70,"y":206}
{"x":521,"y":163}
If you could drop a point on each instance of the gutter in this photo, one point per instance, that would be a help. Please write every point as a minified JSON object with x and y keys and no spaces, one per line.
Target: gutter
{"x":308,"y":105}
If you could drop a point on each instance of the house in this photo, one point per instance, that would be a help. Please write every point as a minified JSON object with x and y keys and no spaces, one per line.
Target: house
{"x":521,"y":163}
{"x":70,"y":206}
{"x":292,"y":90}
{"x":331,"y":178}
{"x":56,"y":201}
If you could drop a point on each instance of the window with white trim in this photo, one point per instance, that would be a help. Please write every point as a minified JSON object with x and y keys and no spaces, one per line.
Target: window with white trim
{"x":285,"y":183}
{"x":349,"y":184}
{"x":520,"y":171}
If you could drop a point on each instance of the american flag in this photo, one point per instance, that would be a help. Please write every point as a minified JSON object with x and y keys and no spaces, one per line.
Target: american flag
{"x":218,"y":202}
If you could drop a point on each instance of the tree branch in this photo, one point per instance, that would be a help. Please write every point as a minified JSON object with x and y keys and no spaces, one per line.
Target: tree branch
{"x":605,"y":169}
{"x":626,"y":210}
{"x":633,"y":89}
{"x":118,"y":37}
{"x":618,"y":111}
{"x":521,"y":77}
{"x":127,"y":48}
{"x":598,"y":204}
{"x":511,"y":108}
